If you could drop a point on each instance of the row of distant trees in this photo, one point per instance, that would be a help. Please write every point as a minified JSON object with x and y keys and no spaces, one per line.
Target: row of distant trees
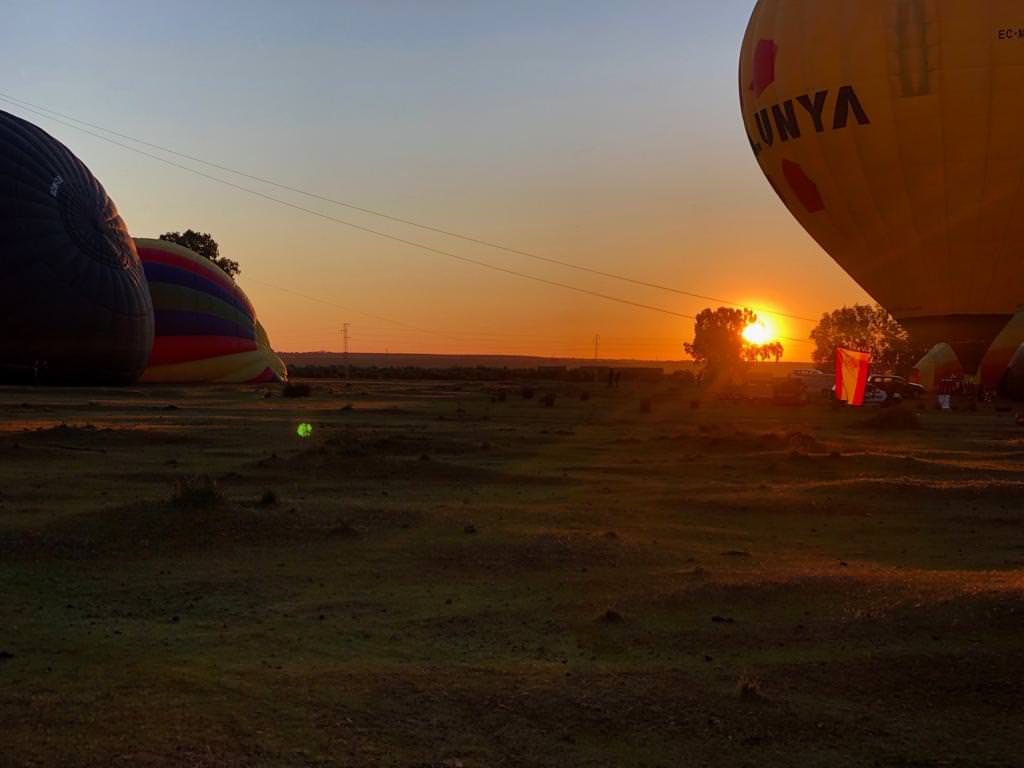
{"x":719,"y":345}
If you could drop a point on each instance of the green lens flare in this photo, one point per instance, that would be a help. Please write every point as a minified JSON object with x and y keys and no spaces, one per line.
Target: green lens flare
{"x":305,"y":430}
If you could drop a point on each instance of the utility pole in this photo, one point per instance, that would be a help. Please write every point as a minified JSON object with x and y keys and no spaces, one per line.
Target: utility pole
{"x":597,"y":343}
{"x":344,"y":333}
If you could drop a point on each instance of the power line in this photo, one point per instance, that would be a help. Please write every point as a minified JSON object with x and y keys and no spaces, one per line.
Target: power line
{"x":378,"y":233}
{"x":400,"y":220}
{"x":336,"y":305}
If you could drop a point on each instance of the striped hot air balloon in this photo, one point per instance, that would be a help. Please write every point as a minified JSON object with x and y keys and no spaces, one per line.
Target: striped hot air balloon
{"x":206,"y":327}
{"x":74,"y":303}
{"x":891,"y":131}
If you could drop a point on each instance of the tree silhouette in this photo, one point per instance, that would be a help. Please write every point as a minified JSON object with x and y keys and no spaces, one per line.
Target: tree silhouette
{"x":762,"y":353}
{"x":203,"y":244}
{"x":719,"y":345}
{"x":866,"y":329}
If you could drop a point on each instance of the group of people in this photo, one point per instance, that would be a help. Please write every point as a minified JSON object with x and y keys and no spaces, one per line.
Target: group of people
{"x":958,"y":386}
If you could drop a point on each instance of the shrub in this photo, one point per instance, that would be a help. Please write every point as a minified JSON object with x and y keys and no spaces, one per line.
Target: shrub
{"x":196,"y":492}
{"x":527,"y":393}
{"x":897,"y":418}
{"x":548,"y":401}
{"x":750,"y":689}
{"x":296,"y":390}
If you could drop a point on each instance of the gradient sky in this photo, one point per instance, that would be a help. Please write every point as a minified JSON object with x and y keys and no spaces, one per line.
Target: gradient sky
{"x":603,"y":133}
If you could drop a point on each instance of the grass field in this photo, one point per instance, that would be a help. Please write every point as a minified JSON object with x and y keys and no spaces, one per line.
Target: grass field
{"x":442,"y":575}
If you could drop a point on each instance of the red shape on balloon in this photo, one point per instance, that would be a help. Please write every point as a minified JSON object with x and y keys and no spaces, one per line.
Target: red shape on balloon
{"x":764,"y":66}
{"x":803,"y":187}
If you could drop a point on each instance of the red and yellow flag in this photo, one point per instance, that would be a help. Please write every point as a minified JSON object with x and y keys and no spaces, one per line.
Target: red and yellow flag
{"x":851,"y":375}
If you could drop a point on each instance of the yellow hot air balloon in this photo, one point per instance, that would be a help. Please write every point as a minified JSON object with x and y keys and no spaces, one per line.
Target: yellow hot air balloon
{"x":940,"y":363}
{"x":892,"y":130}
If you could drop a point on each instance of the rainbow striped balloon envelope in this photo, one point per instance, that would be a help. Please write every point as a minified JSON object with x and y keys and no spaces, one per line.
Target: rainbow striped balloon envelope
{"x":206,"y":327}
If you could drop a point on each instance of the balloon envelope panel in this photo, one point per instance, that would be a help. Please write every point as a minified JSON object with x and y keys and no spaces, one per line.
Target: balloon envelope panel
{"x":206,"y":327}
{"x":940,"y":363}
{"x":73,"y":299}
{"x":999,"y":356}
{"x":891,"y":130}
{"x":1013,"y":384}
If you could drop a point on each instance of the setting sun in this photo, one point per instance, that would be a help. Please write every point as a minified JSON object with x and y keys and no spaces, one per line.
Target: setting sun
{"x":758,"y":333}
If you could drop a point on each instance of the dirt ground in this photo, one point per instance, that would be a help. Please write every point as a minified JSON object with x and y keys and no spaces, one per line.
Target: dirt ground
{"x":455,"y":575}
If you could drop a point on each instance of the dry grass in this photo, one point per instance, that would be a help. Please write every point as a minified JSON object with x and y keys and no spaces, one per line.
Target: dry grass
{"x":196,"y":492}
{"x":896,"y":418}
{"x":583,"y":585}
{"x":296,"y":389}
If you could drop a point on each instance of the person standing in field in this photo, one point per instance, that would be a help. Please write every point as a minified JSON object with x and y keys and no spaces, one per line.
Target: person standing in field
{"x":945,"y":394}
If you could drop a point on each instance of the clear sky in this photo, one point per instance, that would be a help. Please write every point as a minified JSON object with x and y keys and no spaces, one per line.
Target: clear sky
{"x":602,"y":133}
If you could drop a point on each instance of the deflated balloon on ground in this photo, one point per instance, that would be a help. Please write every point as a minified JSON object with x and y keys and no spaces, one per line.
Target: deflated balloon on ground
{"x":206,"y":327}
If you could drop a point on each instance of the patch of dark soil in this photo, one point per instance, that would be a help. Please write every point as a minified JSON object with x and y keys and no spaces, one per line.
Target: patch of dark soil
{"x":968,"y":620}
{"x":197,"y":492}
{"x":268,"y":499}
{"x":402,"y":445}
{"x":539,"y":552}
{"x":964,"y":498}
{"x":296,"y":389}
{"x":749,"y":442}
{"x":937,"y":681}
{"x":355,"y":461}
{"x":750,"y":689}
{"x":652,"y":717}
{"x":195,"y":523}
{"x":893,"y":419}
{"x":344,"y":530}
{"x":90,"y":438}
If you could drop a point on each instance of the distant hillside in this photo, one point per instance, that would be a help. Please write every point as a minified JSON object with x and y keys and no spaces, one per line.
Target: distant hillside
{"x":382,"y":360}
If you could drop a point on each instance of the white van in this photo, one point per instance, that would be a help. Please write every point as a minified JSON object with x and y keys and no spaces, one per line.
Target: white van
{"x":817,"y":383}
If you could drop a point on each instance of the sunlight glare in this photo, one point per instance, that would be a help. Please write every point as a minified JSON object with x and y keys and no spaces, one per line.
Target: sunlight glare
{"x":758,"y":333}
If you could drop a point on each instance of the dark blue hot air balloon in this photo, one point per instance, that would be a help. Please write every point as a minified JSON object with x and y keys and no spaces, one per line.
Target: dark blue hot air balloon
{"x":74,"y":304}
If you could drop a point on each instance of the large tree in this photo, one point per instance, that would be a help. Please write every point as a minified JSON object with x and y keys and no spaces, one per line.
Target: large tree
{"x":203,"y":244}
{"x":718,"y":342}
{"x":865,"y":329}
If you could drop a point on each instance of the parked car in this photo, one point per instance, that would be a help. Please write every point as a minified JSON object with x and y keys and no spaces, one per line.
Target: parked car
{"x":872,"y":395}
{"x":897,"y":385}
{"x":875,"y":395}
{"x":817,"y":382}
